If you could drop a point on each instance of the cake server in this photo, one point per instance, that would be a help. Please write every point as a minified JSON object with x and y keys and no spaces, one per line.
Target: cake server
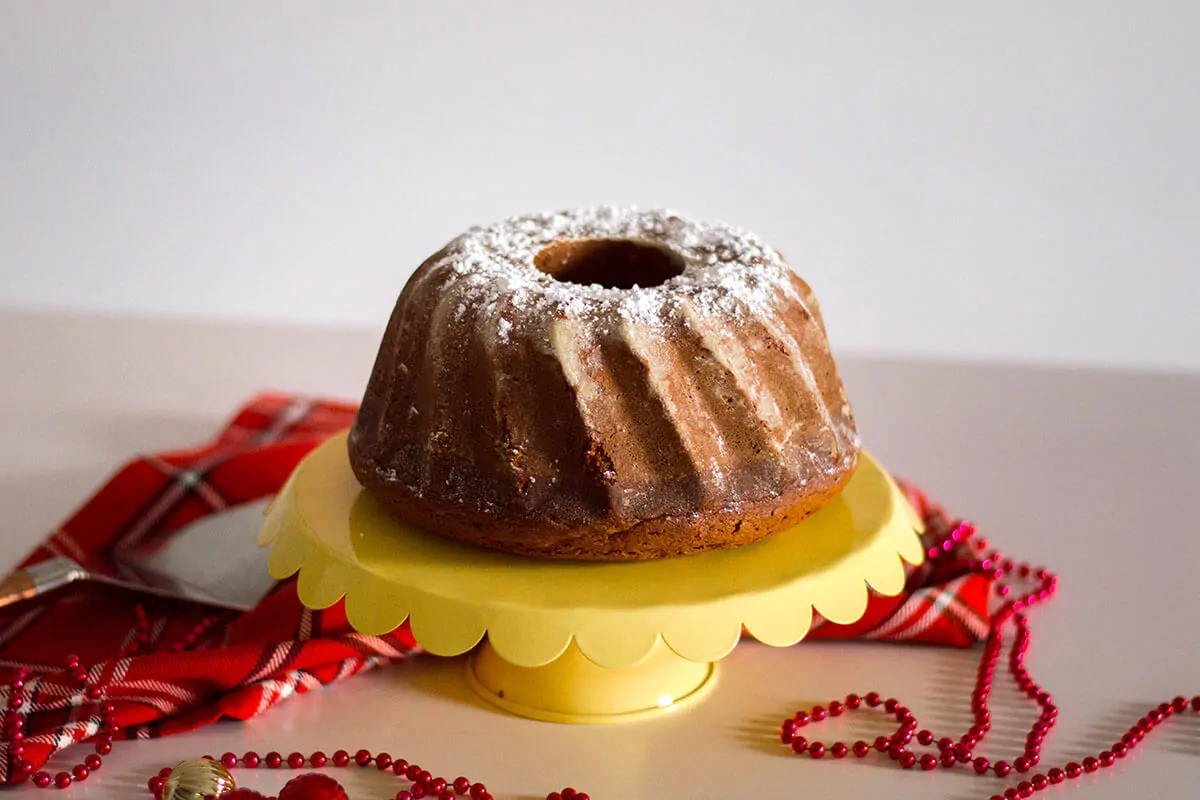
{"x":215,"y":561}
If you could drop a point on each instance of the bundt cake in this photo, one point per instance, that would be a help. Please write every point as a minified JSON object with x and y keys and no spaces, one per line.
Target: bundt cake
{"x":604,"y":384}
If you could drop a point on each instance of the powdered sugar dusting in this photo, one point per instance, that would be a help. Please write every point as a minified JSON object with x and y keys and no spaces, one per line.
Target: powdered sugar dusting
{"x":726,"y":270}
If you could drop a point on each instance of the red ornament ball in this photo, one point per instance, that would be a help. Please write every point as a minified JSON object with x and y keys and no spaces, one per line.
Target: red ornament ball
{"x":243,"y":794}
{"x":312,"y":786}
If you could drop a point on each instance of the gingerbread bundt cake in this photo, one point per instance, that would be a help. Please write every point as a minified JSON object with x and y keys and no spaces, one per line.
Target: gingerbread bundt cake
{"x":604,"y":384}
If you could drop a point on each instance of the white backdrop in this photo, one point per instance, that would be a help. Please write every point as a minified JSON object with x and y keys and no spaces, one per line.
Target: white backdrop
{"x":989,"y":180}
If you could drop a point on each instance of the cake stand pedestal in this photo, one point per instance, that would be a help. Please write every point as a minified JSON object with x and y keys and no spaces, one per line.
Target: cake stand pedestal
{"x":584,"y":642}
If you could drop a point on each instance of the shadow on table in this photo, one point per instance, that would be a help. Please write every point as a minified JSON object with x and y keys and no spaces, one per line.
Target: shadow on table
{"x":444,"y":678}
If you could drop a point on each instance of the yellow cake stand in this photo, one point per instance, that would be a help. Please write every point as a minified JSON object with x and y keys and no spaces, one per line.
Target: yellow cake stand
{"x":584,"y":642}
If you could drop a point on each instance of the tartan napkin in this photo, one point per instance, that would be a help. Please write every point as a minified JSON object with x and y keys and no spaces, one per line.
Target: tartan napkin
{"x":170,"y":666}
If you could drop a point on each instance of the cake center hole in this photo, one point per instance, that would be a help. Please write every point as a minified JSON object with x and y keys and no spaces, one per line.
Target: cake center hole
{"x":612,"y":263}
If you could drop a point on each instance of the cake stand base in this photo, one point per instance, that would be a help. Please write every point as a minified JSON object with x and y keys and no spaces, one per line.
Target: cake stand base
{"x":574,"y":689}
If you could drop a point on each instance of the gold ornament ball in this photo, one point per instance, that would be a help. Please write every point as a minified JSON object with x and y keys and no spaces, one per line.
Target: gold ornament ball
{"x":196,"y":779}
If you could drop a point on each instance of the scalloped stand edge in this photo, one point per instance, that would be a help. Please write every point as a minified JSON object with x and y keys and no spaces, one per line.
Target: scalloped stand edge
{"x":577,"y":676}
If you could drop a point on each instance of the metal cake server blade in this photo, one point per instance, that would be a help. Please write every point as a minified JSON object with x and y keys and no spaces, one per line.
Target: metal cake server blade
{"x":215,"y":561}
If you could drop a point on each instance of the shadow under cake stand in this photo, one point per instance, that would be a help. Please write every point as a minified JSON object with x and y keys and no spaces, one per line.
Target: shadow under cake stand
{"x":584,"y":642}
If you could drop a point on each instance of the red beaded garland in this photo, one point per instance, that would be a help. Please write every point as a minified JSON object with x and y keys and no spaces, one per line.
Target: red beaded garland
{"x":14,"y":730}
{"x":1011,"y":612}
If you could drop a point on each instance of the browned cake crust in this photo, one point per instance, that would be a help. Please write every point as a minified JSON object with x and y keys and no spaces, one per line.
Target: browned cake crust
{"x":605,"y":540}
{"x":604,"y":385}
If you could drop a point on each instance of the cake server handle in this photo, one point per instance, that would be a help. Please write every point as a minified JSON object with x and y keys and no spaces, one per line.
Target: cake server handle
{"x":45,"y":576}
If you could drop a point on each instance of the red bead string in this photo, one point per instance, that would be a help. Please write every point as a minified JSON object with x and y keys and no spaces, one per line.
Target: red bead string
{"x":952,"y":753}
{"x":422,"y":783}
{"x":14,"y":721}
{"x":14,"y":726}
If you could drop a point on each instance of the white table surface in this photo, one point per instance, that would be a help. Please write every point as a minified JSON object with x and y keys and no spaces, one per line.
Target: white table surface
{"x":1090,"y":473}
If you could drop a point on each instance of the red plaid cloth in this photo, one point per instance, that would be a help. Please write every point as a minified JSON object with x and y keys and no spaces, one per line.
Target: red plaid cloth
{"x":170,"y":666}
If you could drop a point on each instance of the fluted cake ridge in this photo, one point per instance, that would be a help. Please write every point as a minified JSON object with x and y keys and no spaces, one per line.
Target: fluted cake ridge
{"x":605,"y":383}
